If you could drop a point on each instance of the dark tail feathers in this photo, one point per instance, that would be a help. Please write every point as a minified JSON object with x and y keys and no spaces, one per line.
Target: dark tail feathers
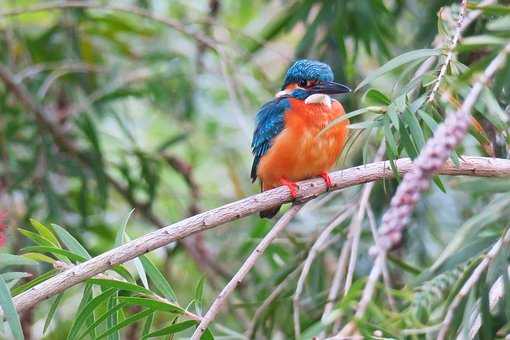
{"x":269,"y":213}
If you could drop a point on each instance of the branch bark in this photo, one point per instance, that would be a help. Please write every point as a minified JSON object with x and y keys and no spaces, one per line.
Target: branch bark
{"x":469,"y":166}
{"x":238,"y":278}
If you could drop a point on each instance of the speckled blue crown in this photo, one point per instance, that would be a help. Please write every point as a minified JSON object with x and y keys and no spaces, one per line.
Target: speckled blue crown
{"x":305,"y":69}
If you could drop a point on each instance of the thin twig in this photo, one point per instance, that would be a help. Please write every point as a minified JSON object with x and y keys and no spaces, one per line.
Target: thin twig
{"x":60,"y":5}
{"x":244,"y":270}
{"x":469,"y":166}
{"x":314,"y":251}
{"x":385,"y":271}
{"x":347,"y":250}
{"x":355,"y":228}
{"x":451,"y":51}
{"x":471,"y":282}
{"x":275,"y":293}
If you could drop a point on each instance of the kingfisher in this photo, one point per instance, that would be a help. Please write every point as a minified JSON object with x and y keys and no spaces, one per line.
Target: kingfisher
{"x":287,"y":144}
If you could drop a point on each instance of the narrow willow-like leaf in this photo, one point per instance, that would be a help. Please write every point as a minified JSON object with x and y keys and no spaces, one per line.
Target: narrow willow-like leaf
{"x":40,"y":257}
{"x":172,"y":329}
{"x":9,"y":311}
{"x":45,"y":232}
{"x":120,"y":285}
{"x":101,"y":318}
{"x":147,"y":325}
{"x":397,"y":62}
{"x":349,"y":115}
{"x":492,"y":212}
{"x":15,"y":260}
{"x":113,"y":319}
{"x":55,"y":251}
{"x":87,"y":311}
{"x":51,"y":312}
{"x":35,"y":281}
{"x":133,"y":318}
{"x":36,"y":238}
{"x":70,"y":242}
{"x":153,"y":304}
{"x":14,"y":275}
{"x":158,"y":279}
{"x":119,"y":238}
{"x":415,"y":128}
{"x":199,"y":295}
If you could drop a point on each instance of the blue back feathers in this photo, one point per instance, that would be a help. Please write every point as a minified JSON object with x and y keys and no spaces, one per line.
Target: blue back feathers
{"x":269,"y":122}
{"x":305,"y":69}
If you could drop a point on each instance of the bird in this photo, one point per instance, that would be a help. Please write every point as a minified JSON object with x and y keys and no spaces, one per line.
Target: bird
{"x":287,"y":143}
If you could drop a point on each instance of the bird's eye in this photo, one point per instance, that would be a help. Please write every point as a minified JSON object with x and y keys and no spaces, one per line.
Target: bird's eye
{"x":302,"y":83}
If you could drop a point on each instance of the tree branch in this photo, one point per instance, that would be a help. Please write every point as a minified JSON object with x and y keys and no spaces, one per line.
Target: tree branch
{"x":469,"y":166}
{"x":248,"y":264}
{"x":60,"y":5}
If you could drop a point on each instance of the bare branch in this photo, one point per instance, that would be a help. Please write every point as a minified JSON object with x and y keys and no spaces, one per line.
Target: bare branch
{"x":451,"y":51}
{"x":469,"y":166}
{"x":471,"y":282}
{"x":314,"y":251}
{"x":60,"y":5}
{"x":244,"y":270}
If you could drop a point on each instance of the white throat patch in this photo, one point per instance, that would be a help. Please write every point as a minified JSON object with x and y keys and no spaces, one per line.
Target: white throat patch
{"x":319,"y":98}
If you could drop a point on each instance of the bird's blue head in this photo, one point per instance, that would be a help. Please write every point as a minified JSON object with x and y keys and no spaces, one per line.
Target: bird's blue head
{"x":311,"y":76}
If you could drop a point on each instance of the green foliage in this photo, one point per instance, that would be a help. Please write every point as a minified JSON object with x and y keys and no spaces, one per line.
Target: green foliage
{"x":151,"y":120}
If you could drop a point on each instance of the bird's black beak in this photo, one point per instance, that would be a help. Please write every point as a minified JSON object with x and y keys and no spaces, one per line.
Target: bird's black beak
{"x":329,"y":87}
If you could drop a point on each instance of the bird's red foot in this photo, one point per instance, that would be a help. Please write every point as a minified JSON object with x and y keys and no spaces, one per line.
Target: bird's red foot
{"x":293,"y":187}
{"x":327,"y":179}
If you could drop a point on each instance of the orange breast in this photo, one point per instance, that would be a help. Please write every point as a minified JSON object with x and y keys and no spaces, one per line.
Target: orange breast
{"x":299,"y":152}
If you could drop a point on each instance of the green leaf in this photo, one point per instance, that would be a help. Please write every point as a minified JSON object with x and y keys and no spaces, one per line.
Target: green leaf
{"x":147,"y":326}
{"x":376,"y":97}
{"x":45,"y":232}
{"x":349,"y":115}
{"x":126,"y":322}
{"x":35,"y":281}
{"x":199,"y":295}
{"x":153,"y":304}
{"x":39,"y":257}
{"x":207,"y":335}
{"x":15,"y":260}
{"x":109,"y":312}
{"x":120,"y":285}
{"x":397,"y":62}
{"x":70,"y":242}
{"x":366,"y":125}
{"x":157,"y":278}
{"x":172,"y":329}
{"x":87,"y":311}
{"x":113,"y":318}
{"x":9,"y":311}
{"x":414,"y":127}
{"x":119,"y":239}
{"x":51,"y":312}
{"x":499,"y":24}
{"x":56,"y":251}
{"x":36,"y":238}
{"x":495,"y":210}
{"x":14,"y":276}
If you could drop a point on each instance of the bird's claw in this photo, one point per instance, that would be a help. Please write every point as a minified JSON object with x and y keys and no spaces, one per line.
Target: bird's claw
{"x":327,"y":180}
{"x":293,"y":187}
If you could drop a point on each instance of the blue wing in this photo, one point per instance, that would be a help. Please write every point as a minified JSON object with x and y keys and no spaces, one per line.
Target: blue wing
{"x":270,"y":122}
